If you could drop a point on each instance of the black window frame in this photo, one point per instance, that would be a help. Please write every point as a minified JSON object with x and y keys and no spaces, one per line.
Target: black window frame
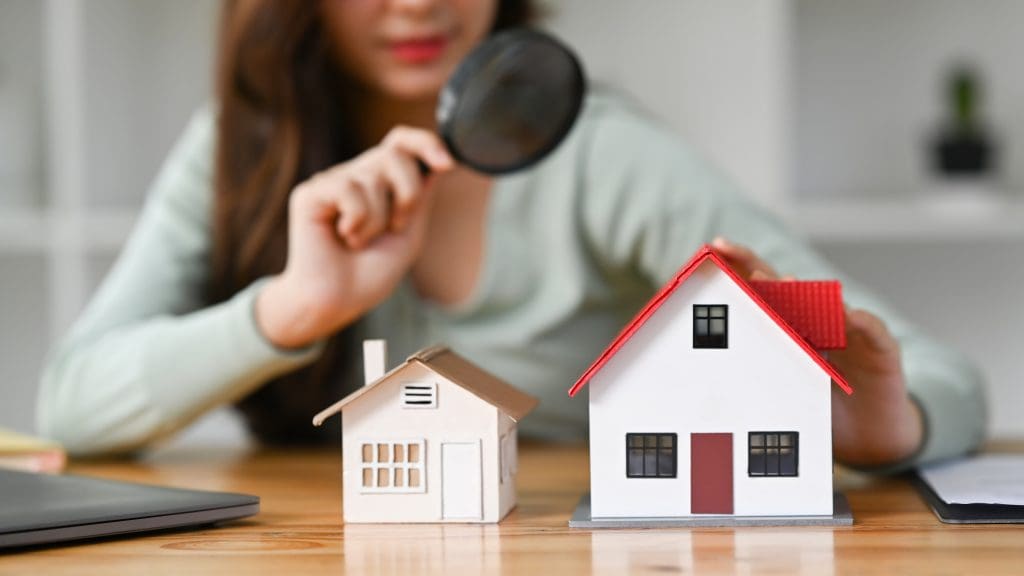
{"x":657,"y":450}
{"x":760,"y":465}
{"x":710,"y":341}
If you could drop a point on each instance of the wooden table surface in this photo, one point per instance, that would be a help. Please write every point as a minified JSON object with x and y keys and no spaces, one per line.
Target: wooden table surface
{"x":299,"y":530}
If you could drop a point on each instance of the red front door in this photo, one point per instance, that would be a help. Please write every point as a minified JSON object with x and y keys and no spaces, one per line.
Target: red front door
{"x":711,"y":473}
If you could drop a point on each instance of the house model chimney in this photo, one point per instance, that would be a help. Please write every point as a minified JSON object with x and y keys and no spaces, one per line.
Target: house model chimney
{"x":375,"y":360}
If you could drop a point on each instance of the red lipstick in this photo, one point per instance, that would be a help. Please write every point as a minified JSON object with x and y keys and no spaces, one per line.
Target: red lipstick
{"x":420,"y":50}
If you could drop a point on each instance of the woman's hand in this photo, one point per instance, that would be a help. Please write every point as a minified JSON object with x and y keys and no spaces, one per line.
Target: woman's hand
{"x":879,"y":424}
{"x":353,"y":232}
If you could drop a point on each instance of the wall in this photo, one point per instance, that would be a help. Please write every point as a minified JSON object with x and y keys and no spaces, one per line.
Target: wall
{"x":508,"y":449}
{"x":23,"y":309}
{"x":149,"y":67}
{"x":21,"y":95}
{"x":868,"y":88}
{"x":715,"y":70}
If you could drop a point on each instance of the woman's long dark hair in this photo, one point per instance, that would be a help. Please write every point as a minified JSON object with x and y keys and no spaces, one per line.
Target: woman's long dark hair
{"x":282,"y":117}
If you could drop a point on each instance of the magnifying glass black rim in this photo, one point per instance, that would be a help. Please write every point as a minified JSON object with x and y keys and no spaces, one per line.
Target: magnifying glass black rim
{"x":466,"y":72}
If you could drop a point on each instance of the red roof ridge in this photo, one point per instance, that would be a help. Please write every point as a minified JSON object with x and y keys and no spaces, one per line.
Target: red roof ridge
{"x":706,"y":252}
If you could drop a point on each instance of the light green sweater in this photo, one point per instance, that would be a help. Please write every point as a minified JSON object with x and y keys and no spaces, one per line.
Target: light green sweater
{"x":574,"y":247}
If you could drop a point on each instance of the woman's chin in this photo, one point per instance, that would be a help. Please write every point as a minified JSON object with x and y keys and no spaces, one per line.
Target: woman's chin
{"x":413,"y":86}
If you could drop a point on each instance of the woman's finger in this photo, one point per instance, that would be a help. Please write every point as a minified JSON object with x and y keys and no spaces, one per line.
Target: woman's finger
{"x":312,"y":200}
{"x":871,"y":330}
{"x":375,"y":189}
{"x":745,"y":260}
{"x":407,"y":187}
{"x":353,"y":213}
{"x":422,"y":144}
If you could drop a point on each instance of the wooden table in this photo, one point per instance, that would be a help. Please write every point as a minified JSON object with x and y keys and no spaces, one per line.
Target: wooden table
{"x":299,"y":530}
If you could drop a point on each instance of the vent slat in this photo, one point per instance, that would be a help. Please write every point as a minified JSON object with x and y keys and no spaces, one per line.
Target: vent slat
{"x":419,"y":395}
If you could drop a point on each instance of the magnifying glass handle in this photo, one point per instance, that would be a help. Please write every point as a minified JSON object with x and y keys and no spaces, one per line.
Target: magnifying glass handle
{"x":424,"y":169}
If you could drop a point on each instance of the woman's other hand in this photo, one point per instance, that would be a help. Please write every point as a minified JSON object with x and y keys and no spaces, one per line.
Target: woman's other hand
{"x":353,"y":232}
{"x":878,"y":424}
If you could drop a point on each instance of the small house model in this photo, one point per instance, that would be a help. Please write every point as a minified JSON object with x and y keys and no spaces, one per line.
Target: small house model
{"x":713,"y":406}
{"x":433,"y":440}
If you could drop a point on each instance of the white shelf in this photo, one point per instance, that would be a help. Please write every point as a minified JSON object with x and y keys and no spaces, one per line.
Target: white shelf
{"x":43,"y":231}
{"x":918,"y":218}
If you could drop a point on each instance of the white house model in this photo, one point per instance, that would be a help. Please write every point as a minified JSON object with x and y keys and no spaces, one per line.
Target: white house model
{"x":433,"y":440}
{"x":713,"y":406}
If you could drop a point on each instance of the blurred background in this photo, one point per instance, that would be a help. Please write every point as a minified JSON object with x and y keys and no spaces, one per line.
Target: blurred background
{"x":890,"y":133}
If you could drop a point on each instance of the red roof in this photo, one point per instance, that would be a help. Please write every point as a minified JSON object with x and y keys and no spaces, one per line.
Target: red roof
{"x":814,"y":308}
{"x":704,"y":254}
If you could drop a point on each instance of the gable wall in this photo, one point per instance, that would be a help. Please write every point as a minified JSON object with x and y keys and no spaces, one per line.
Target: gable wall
{"x":658,"y":383}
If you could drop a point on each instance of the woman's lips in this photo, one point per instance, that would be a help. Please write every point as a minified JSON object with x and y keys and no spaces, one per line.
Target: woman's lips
{"x":419,"y":50}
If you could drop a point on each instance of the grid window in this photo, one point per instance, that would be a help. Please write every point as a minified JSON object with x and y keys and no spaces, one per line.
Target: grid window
{"x":651,"y":455}
{"x":773,"y":453}
{"x":710,"y":326}
{"x":392,"y":467}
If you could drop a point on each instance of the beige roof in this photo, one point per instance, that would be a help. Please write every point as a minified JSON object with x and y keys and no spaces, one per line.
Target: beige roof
{"x":462,"y":372}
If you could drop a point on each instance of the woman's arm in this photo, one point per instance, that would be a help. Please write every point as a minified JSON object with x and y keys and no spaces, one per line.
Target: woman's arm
{"x":144,"y":360}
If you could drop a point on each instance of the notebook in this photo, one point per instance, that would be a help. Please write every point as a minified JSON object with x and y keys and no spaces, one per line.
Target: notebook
{"x":22,"y":452}
{"x":983,"y":489}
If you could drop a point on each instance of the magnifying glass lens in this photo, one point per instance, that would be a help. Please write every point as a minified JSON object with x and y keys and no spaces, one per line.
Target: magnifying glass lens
{"x":511,"y":101}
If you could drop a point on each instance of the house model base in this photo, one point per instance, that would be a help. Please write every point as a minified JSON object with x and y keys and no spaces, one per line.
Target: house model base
{"x":842,"y":516}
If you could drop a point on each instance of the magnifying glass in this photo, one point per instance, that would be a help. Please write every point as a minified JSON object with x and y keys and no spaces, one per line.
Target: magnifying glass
{"x":511,"y":101}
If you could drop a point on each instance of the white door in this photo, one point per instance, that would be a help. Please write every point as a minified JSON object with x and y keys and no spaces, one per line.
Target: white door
{"x":461,"y":481}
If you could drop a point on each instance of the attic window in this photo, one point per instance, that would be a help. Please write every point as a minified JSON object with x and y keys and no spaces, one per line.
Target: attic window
{"x":710,"y":326}
{"x":419,"y":395}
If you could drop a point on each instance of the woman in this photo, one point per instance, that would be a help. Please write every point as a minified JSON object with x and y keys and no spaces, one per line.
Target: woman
{"x":292,"y":221}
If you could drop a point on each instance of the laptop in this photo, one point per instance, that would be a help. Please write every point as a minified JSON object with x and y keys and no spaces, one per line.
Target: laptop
{"x":46,"y":509}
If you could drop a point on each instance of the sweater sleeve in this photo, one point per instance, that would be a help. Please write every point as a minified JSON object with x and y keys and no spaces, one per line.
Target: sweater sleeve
{"x":657,"y":202}
{"x":145,"y":359}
